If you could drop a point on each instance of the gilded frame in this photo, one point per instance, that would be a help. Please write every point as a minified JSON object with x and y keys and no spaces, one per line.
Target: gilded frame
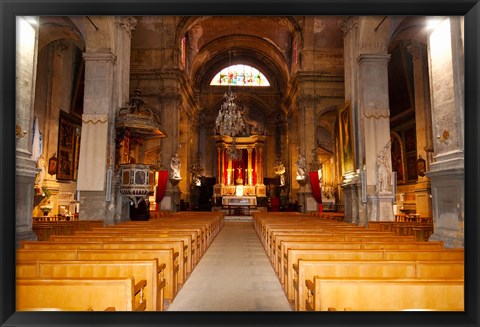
{"x":347,"y":150}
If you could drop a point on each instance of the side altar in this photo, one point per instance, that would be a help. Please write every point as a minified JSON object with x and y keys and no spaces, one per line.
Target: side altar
{"x":240,"y":166}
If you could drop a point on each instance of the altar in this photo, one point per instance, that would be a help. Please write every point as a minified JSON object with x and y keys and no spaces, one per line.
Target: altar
{"x":235,"y":203}
{"x":240,"y":166}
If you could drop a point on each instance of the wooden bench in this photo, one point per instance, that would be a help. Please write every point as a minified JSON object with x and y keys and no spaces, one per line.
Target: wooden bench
{"x":351,"y":294}
{"x":167,"y":257}
{"x":294,"y":256}
{"x":193,"y":247}
{"x":366,"y":245}
{"x":147,"y":270}
{"x":70,"y":293}
{"x":276,"y":253}
{"x":308,"y":269}
{"x":127,"y":239}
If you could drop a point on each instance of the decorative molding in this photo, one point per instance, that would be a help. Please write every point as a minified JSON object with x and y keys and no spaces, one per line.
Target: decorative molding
{"x":93,"y":56}
{"x":348,"y":23}
{"x":308,"y":100}
{"x":382,"y":58}
{"x":375,"y":113}
{"x":128,"y":23}
{"x":169,"y":97}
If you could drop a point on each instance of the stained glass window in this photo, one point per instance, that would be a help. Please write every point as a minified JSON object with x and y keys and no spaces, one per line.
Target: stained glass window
{"x":240,"y":75}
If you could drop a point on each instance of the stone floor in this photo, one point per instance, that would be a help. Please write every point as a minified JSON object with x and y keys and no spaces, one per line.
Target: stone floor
{"x":233,"y":275}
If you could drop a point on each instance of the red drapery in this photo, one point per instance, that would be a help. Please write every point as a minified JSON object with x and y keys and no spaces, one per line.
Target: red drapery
{"x":316,"y":188}
{"x":161,"y":185}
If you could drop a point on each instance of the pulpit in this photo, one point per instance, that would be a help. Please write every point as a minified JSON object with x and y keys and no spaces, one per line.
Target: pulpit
{"x":240,"y":163}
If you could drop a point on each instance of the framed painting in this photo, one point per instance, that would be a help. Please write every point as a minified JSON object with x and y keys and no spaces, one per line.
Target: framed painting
{"x":410,"y":140}
{"x":411,"y":167}
{"x":346,"y":139}
{"x":68,"y":148}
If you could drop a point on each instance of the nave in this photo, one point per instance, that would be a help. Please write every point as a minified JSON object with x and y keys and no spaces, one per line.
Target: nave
{"x":236,"y":275}
{"x":191,"y":261}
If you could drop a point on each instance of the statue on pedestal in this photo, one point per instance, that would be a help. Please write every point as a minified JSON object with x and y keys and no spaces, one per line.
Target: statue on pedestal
{"x":301,"y":167}
{"x":175,"y":166}
{"x":384,"y":170}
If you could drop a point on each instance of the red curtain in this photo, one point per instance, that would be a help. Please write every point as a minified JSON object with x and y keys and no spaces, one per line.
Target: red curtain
{"x":161,"y":185}
{"x":316,"y":188}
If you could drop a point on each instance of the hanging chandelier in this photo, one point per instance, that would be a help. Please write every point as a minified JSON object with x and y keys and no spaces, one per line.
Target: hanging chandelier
{"x":229,"y":120}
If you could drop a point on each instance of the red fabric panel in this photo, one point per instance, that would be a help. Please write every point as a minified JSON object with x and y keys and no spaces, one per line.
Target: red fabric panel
{"x":316,"y":188}
{"x":161,"y":185}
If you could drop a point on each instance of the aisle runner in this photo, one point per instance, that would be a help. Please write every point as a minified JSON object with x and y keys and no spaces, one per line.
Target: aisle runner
{"x":233,"y":275}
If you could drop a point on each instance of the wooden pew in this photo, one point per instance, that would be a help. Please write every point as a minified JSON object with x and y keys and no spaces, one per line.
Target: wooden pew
{"x":373,"y":294}
{"x":294,"y":256}
{"x":127,"y":238}
{"x":167,"y":257}
{"x":365,"y":244}
{"x":177,"y":246}
{"x":194,"y":248}
{"x":147,"y":270}
{"x":307,"y":269}
{"x":73,"y":293}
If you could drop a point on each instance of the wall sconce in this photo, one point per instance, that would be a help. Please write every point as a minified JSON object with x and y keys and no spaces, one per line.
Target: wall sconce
{"x":421,"y":167}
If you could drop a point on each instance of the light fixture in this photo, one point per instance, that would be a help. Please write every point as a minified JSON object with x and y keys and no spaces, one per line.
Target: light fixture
{"x":229,"y":121}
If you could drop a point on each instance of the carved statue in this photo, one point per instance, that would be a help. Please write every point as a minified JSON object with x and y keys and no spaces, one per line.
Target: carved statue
{"x":384,"y":170}
{"x":175,"y":166}
{"x":301,"y":167}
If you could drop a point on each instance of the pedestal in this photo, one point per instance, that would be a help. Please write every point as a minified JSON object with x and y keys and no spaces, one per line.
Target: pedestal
{"x":380,"y":207}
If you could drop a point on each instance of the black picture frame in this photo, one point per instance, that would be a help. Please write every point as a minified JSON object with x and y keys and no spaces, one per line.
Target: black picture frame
{"x":470,"y":9}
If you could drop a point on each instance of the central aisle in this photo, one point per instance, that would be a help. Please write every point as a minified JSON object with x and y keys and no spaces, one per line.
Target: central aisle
{"x":233,"y":275}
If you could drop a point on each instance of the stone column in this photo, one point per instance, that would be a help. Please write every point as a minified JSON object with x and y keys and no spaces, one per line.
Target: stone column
{"x":423,"y":122}
{"x":447,"y":174}
{"x":25,"y":170}
{"x":98,"y":117}
{"x":373,"y":102}
{"x":170,"y":104}
{"x":123,"y":31}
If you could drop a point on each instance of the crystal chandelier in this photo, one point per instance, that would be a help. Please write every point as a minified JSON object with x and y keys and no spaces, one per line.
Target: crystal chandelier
{"x":229,"y":120}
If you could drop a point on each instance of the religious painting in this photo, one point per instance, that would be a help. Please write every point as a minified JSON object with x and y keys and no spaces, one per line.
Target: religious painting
{"x":398,"y":157}
{"x":411,"y":167}
{"x":68,"y":148}
{"x":410,"y":140}
{"x":346,"y":139}
{"x":52,"y":165}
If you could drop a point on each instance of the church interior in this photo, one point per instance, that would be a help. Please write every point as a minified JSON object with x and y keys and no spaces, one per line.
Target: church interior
{"x":326,"y":127}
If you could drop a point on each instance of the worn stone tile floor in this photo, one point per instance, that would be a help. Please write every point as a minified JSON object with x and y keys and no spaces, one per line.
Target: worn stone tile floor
{"x":233,"y":275}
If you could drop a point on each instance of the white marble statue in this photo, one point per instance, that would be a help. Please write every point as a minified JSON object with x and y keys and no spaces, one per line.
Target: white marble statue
{"x":384,"y":171}
{"x":301,"y":167}
{"x":175,"y":166}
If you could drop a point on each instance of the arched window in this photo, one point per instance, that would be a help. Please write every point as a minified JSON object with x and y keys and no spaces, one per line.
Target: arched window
{"x":240,"y":75}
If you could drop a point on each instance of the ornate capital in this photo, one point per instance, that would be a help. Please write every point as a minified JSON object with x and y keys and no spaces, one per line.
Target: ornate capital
{"x":61,"y":47}
{"x":128,"y":23}
{"x":169,"y":98}
{"x":307,"y":101}
{"x":416,"y":49}
{"x":348,"y":23}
